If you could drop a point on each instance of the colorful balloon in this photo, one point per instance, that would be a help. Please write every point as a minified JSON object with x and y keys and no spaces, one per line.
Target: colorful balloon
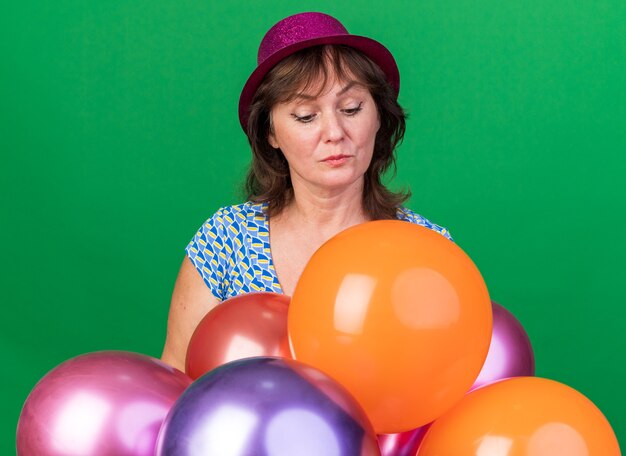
{"x":396,"y":313}
{"x":510,"y":355}
{"x":522,"y":416}
{"x":510,"y":352}
{"x":266,"y":407}
{"x":253,"y":324}
{"x":99,"y":404}
{"x":403,"y":443}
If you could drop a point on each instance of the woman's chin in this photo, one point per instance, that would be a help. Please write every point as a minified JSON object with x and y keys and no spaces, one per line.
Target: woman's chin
{"x":341,"y":182}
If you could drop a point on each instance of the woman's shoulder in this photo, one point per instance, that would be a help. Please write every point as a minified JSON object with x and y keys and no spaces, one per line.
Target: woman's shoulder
{"x":238,"y":216}
{"x":407,"y":215}
{"x":243,"y":211}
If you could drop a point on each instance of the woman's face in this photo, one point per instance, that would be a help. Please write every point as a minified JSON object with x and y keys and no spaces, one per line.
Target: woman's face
{"x":328,"y":140}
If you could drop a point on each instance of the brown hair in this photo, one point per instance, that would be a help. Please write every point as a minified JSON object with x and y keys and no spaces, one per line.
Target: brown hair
{"x":268,"y":178}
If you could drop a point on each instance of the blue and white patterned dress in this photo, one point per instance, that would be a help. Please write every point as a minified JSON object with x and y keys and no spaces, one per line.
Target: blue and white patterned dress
{"x":231,"y":250}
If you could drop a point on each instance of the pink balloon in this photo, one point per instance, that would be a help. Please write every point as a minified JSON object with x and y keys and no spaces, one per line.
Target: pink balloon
{"x":403,"y":443}
{"x":510,"y":353}
{"x":103,"y":403}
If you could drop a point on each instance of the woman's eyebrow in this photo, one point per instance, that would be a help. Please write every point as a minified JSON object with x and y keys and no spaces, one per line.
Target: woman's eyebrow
{"x":348,"y":87}
{"x":304,"y":96}
{"x":307,"y":97}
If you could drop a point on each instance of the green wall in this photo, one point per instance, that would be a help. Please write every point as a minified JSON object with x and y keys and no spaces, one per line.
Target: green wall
{"x":119,"y":136}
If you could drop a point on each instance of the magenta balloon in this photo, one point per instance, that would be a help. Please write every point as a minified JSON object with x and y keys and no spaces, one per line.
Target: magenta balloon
{"x":103,"y":403}
{"x":403,"y":443}
{"x":510,"y":353}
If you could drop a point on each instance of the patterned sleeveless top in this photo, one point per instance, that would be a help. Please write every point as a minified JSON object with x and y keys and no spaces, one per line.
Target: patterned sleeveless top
{"x":231,"y":250}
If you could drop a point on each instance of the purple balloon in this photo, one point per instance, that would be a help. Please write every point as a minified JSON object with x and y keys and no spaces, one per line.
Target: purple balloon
{"x":103,"y":403}
{"x":266,"y":406}
{"x":510,"y":353}
{"x":402,"y":443}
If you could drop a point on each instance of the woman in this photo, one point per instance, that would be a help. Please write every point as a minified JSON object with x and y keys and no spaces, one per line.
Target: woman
{"x":321,"y":114}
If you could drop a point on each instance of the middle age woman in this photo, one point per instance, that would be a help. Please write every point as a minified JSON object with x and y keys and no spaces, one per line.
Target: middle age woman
{"x":322,"y":118}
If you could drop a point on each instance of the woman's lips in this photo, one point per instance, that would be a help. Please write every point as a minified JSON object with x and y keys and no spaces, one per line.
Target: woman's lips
{"x":336,"y":160}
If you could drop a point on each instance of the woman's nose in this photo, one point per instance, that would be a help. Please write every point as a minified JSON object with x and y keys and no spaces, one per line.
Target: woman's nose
{"x":333,"y":128}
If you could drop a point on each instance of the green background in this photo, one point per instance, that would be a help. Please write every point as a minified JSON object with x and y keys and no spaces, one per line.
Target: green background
{"x":119,"y":137}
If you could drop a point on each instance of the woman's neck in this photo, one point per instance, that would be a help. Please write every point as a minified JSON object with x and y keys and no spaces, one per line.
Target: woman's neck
{"x":327,"y":210}
{"x":309,"y":220}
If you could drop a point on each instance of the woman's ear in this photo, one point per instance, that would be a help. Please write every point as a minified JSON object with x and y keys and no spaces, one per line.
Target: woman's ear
{"x":271,"y":137}
{"x":272,"y":140}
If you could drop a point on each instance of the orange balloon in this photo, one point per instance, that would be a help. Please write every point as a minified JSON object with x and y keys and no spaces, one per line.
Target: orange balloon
{"x":253,"y":324}
{"x":399,"y":315}
{"x":522,"y":416}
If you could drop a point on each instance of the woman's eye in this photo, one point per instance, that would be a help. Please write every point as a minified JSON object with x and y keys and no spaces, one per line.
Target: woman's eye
{"x":304,"y":119}
{"x":353,"y":111}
